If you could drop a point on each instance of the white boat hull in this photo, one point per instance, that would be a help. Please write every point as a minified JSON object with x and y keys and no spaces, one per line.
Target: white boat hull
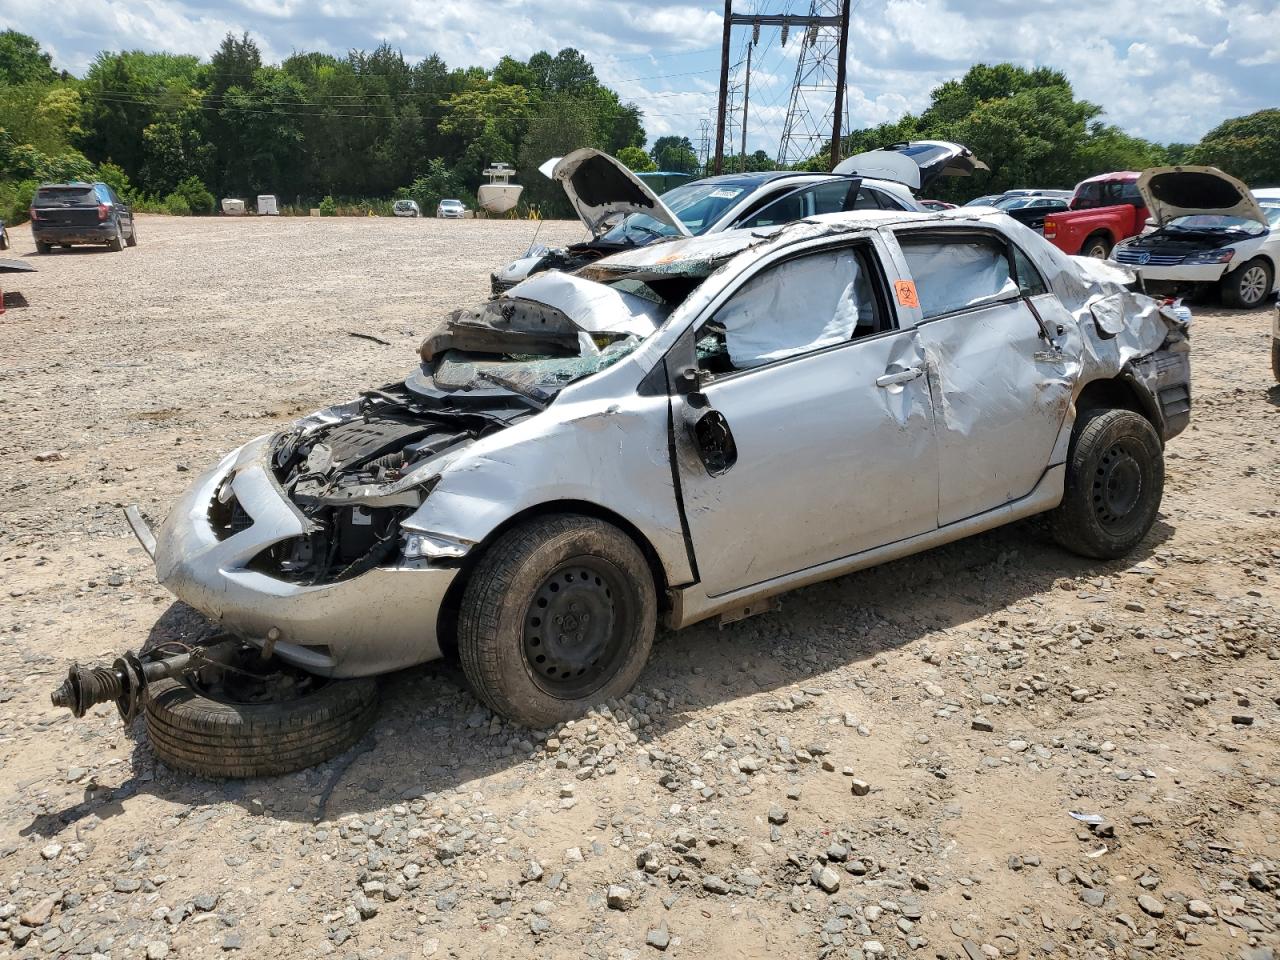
{"x":499,"y":197}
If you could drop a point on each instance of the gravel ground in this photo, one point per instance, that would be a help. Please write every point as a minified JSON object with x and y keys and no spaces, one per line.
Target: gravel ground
{"x":888,"y":766}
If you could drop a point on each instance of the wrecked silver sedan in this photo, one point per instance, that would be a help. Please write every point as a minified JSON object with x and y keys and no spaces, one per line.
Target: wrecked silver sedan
{"x":681,"y":432}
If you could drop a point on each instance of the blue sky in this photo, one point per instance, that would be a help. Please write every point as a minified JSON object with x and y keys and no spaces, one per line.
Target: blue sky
{"x":1167,"y":77}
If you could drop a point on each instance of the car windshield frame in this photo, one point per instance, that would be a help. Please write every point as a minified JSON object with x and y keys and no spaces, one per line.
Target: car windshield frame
{"x":691,"y":202}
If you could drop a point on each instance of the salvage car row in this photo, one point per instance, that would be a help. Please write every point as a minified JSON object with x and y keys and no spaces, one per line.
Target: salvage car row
{"x":675,"y":431}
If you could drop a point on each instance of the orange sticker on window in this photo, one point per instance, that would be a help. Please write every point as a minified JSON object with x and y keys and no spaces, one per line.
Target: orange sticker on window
{"x":906,"y":291}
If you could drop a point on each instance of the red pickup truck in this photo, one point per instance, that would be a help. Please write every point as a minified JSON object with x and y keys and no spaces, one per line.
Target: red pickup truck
{"x":1104,"y":210}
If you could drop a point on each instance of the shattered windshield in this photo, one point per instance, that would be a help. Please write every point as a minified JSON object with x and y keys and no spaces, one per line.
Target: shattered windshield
{"x":698,"y":205}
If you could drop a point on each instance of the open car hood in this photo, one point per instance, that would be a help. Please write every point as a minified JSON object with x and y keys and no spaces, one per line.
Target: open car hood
{"x":1172,"y":192}
{"x":916,"y":164}
{"x":602,"y":191}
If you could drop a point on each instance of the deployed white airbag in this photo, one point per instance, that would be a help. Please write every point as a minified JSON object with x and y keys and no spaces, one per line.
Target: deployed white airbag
{"x":801,"y":305}
{"x":952,"y":276}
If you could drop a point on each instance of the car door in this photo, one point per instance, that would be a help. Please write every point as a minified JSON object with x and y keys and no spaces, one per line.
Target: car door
{"x":806,"y":434}
{"x":123,"y":210}
{"x":1000,"y":387}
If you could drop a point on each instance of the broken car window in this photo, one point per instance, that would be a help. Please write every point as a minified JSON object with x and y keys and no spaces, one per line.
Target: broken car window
{"x":799,"y":305}
{"x":956,"y":274}
{"x":1030,"y":283}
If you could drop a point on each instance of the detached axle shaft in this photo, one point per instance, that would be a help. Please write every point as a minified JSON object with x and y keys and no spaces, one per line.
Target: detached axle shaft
{"x":125,"y":681}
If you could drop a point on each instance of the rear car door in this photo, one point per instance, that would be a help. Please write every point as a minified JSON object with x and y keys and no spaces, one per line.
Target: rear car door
{"x":824,"y":417}
{"x":1000,"y":387}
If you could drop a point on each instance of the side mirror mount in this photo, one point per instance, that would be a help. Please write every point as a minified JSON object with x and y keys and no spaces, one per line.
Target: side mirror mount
{"x":688,"y":381}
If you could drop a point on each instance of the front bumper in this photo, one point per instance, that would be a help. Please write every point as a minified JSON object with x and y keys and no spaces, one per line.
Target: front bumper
{"x":379,"y":621}
{"x":1182,"y":272}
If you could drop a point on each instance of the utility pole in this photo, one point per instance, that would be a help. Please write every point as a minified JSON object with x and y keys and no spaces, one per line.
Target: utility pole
{"x":840,"y":71}
{"x":746,"y":100}
{"x":724,"y":87}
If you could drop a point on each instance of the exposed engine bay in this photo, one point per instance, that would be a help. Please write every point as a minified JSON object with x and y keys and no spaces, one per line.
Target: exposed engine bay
{"x":355,"y":472}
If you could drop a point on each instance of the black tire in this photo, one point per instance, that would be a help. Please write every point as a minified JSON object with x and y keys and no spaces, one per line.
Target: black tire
{"x":1114,"y":483}
{"x":598,"y":580}
{"x":211,"y":738}
{"x":1248,"y":285}
{"x":43,"y":248}
{"x":117,"y":242}
{"x":1275,"y":359}
{"x":133,"y":234}
{"x":4,"y":241}
{"x":1097,"y":246}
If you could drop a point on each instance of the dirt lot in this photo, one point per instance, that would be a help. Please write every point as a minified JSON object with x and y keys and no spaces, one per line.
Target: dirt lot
{"x":984,"y":691}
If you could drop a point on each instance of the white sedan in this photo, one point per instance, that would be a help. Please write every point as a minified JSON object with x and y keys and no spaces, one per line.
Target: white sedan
{"x":451,"y":210}
{"x":1210,"y":231}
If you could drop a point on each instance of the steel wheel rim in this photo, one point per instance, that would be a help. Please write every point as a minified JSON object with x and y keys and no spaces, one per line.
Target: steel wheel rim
{"x":1117,"y":486}
{"x":1252,"y":283}
{"x":577,"y":626}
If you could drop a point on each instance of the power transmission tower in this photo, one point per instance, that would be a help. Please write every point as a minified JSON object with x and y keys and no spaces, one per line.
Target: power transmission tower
{"x":704,"y":143}
{"x":818,"y":109}
{"x":826,"y":38}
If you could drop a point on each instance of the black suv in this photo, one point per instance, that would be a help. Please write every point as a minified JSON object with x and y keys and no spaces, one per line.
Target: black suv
{"x":69,"y":213}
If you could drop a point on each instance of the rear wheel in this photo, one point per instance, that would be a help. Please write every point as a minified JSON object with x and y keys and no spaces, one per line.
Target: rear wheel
{"x":133,"y":234}
{"x":4,"y":241}
{"x":558,"y":615}
{"x":42,"y":247}
{"x":265,"y":721}
{"x":1114,"y":484}
{"x":1248,"y":285}
{"x":117,"y":242}
{"x":1275,"y":359}
{"x":1097,"y":246}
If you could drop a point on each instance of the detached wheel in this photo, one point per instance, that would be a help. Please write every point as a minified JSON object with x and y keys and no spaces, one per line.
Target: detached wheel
{"x":275,"y":721}
{"x":558,"y":616}
{"x":1097,"y":247}
{"x":1115,"y":480}
{"x":1248,"y":285}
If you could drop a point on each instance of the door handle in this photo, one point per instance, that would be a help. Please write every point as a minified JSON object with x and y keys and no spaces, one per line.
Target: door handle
{"x":901,"y":376}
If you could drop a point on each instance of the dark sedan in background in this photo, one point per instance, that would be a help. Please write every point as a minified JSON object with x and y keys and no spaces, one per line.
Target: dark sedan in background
{"x":64,"y":214}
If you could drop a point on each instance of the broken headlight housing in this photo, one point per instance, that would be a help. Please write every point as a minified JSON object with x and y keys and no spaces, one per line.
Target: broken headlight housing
{"x":432,"y":546}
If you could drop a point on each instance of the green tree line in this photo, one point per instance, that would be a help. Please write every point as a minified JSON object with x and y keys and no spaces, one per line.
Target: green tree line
{"x":173,"y":131}
{"x":1032,"y":130}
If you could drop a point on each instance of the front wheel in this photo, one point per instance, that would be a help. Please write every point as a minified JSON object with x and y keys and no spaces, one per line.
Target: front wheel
{"x":1247,"y":286}
{"x":1115,"y":480}
{"x":558,"y":615}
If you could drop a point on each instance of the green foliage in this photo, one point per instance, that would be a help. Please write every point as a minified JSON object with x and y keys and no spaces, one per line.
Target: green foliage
{"x":674,"y":154}
{"x":115,"y":177}
{"x":328,"y":207}
{"x":196,"y":195}
{"x":555,"y":130}
{"x":636,"y":159}
{"x":176,"y":204}
{"x":22,"y":61}
{"x":1027,"y":125}
{"x":437,"y":183}
{"x":1247,"y":147}
{"x":15,"y":200}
